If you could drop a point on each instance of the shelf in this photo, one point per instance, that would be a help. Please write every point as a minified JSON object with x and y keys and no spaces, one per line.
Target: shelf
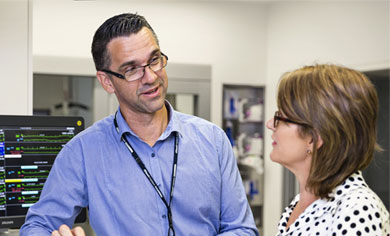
{"x":243,"y":122}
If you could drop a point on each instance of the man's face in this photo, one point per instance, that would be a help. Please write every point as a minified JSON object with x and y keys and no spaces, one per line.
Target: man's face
{"x":147,"y":94}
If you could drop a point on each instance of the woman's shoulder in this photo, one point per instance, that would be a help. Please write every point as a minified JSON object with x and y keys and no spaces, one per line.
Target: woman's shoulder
{"x":354,"y":191}
{"x":358,"y":208}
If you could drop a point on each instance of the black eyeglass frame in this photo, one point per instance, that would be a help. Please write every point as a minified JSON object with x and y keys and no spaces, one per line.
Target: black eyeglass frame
{"x":120,"y":76}
{"x":277,"y":118}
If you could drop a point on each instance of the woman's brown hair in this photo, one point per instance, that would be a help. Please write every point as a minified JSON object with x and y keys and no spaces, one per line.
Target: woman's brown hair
{"x":341,"y":106}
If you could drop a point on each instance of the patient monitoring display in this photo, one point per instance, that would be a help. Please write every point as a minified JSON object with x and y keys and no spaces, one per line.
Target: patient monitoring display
{"x":28,"y":148}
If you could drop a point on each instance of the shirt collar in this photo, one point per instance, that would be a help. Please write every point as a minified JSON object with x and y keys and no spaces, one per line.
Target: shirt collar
{"x":174,"y":124}
{"x":351,"y":183}
{"x":325,"y":206}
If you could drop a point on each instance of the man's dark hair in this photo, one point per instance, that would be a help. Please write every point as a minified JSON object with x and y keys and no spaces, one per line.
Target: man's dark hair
{"x":116,"y":26}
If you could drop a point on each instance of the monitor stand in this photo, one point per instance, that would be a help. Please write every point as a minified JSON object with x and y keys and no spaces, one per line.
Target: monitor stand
{"x":9,"y":232}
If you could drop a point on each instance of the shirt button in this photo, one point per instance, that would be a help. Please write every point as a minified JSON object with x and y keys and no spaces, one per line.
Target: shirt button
{"x":153,"y":155}
{"x":164,"y":216}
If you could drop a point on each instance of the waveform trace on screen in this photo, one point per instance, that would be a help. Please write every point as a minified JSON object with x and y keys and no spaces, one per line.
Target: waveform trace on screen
{"x":26,"y":157}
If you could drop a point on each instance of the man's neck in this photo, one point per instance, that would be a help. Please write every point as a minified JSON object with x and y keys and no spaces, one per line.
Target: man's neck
{"x":148,"y":127}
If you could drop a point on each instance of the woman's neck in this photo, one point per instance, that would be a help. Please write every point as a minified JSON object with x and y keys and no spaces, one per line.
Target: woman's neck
{"x":306,"y":197}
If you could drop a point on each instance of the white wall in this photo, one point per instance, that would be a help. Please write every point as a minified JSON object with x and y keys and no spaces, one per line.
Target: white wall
{"x":15,"y":58}
{"x":354,"y":34}
{"x":247,"y":43}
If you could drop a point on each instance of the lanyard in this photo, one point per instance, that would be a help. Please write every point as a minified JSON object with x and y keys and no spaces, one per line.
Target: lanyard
{"x":149,"y":176}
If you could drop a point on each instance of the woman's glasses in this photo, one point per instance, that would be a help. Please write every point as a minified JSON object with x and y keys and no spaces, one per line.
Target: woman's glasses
{"x":278,"y":117}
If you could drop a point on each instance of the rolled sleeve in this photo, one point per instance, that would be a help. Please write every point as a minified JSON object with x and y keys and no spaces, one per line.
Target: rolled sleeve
{"x":236,"y":215}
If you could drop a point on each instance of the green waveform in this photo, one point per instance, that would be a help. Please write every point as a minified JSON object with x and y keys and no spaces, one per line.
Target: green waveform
{"x":34,"y":172}
{"x":37,"y":176}
{"x":32,"y":185}
{"x":46,"y":136}
{"x":46,"y":140}
{"x":30,"y":198}
{"x":40,"y":148}
{"x":31,"y":189}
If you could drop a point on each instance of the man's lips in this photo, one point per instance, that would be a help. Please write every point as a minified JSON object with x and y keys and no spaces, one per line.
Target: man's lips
{"x":150,"y":91}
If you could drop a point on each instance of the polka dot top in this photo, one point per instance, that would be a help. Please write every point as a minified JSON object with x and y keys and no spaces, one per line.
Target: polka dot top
{"x":353,"y":209}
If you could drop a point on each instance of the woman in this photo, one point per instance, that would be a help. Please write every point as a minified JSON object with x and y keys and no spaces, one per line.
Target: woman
{"x":325,"y":133}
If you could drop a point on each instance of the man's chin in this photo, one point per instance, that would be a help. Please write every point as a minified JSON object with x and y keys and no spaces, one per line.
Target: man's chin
{"x":155,"y":106}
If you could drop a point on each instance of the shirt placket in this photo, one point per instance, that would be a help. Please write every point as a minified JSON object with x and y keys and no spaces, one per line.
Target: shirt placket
{"x":156,"y":172}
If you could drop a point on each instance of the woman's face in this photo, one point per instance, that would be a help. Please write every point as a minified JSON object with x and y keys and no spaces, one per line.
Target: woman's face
{"x":289,"y":148}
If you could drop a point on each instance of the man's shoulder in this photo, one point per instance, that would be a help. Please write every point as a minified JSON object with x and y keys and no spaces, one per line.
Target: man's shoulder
{"x":195,"y":121}
{"x":199,"y":128}
{"x":100,"y":128}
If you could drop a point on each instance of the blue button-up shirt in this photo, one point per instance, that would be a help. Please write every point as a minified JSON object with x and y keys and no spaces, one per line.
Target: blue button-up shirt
{"x":96,"y":170}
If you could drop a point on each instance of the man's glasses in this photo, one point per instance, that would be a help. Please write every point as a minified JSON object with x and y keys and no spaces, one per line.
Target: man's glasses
{"x":278,"y":117}
{"x":137,"y":72}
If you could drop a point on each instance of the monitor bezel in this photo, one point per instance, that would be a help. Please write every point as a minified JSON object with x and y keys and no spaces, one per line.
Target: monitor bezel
{"x":15,"y":222}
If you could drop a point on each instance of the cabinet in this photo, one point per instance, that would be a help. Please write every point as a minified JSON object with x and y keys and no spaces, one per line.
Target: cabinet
{"x":243,"y":122}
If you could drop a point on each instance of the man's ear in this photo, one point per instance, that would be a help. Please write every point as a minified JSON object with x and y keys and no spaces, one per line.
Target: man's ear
{"x":105,"y":81}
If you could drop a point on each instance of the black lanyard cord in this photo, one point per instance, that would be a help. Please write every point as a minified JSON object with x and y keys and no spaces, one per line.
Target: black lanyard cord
{"x":150,"y":178}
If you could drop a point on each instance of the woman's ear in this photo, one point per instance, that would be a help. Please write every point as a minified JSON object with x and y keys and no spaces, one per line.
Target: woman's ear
{"x":319,"y":140}
{"x":105,"y":81}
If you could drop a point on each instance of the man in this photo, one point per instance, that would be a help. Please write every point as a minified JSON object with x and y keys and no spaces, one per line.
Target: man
{"x":147,"y":170}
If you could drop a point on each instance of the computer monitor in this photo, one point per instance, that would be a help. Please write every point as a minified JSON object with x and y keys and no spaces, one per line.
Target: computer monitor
{"x":28,"y":147}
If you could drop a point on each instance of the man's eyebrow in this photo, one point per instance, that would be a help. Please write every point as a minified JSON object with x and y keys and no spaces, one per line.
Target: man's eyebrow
{"x":128,"y":63}
{"x":134,"y":63}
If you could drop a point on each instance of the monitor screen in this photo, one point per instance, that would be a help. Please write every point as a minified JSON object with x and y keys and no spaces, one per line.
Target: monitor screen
{"x":28,"y":147}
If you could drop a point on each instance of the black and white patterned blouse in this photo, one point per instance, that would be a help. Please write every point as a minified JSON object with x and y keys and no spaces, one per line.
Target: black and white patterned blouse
{"x":353,"y":209}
